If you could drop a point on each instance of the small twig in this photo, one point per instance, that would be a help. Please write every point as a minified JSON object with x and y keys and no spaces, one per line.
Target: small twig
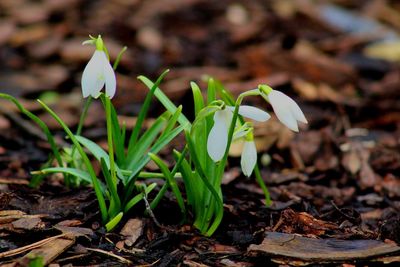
{"x":278,"y":224}
{"x":287,"y":241}
{"x":150,"y":264}
{"x":150,"y":212}
{"x":74,"y":257}
{"x":19,"y":181}
{"x":121,"y":259}
{"x":20,"y":250}
{"x":341,"y":212}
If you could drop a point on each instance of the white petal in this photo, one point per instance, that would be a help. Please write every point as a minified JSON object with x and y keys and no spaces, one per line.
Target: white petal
{"x":249,"y":158}
{"x":224,"y":116}
{"x":282,"y":107}
{"x":218,"y":137}
{"x":252,"y":113}
{"x":111,"y":82}
{"x":296,"y":111}
{"x":92,"y":77}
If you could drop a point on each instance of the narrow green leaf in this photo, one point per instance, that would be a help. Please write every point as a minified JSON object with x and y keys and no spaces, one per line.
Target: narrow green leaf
{"x":193,"y":186}
{"x":114,"y":221}
{"x":85,"y":176}
{"x":139,"y":197}
{"x":39,"y":122}
{"x":217,"y":198}
{"x":144,"y":110}
{"x":197,"y":98}
{"x":157,"y":146}
{"x":112,"y":187}
{"x":98,"y":153}
{"x":118,"y":137}
{"x":170,"y":179}
{"x":165,"y":101}
{"x":172,"y":121}
{"x":211,"y":92}
{"x":145,"y":142}
{"x":95,"y":181}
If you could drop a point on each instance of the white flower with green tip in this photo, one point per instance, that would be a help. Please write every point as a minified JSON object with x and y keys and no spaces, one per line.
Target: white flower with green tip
{"x":218,"y":136}
{"x":285,"y":108}
{"x":98,"y":72}
{"x":249,"y":155}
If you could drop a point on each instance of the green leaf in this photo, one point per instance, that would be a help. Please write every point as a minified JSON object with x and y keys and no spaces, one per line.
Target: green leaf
{"x":165,"y":101}
{"x":144,"y":110}
{"x":170,"y":179}
{"x":211,"y":92}
{"x":42,"y":125}
{"x":114,"y":221}
{"x":139,"y":197}
{"x":197,"y":98}
{"x":98,"y":153}
{"x":157,"y":146}
{"x":172,"y":121}
{"x":202,"y":174}
{"x":95,"y":181}
{"x":118,"y":137}
{"x":85,"y":176}
{"x":226,"y":96}
{"x":112,"y":187}
{"x":193,"y":186}
{"x":144,"y":143}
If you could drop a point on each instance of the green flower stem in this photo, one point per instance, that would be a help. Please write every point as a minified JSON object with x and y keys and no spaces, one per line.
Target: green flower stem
{"x":85,"y":110}
{"x":107,"y":102}
{"x":95,"y":181}
{"x":116,"y":62}
{"x":235,"y":116}
{"x":112,"y":181}
{"x":264,"y":188}
{"x":259,"y":179}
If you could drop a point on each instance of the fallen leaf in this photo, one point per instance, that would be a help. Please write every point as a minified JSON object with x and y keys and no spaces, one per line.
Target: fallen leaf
{"x":320,"y":250}
{"x":28,"y":223}
{"x":132,"y":230}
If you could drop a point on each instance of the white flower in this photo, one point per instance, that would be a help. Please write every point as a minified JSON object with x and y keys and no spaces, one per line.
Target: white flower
{"x":249,"y":157}
{"x":98,"y":72}
{"x":218,"y":136}
{"x":287,"y":111}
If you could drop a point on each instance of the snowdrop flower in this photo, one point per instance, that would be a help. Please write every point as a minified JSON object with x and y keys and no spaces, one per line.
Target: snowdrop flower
{"x":98,"y":72}
{"x":218,"y":136}
{"x":249,"y":155}
{"x":287,"y":111}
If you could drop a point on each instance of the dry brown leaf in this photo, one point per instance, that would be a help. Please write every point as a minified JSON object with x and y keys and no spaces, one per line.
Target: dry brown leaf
{"x":28,"y":223}
{"x":132,"y":230}
{"x":318,"y":250}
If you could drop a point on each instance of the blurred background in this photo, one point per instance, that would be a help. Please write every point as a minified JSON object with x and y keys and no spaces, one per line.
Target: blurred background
{"x":338,"y":59}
